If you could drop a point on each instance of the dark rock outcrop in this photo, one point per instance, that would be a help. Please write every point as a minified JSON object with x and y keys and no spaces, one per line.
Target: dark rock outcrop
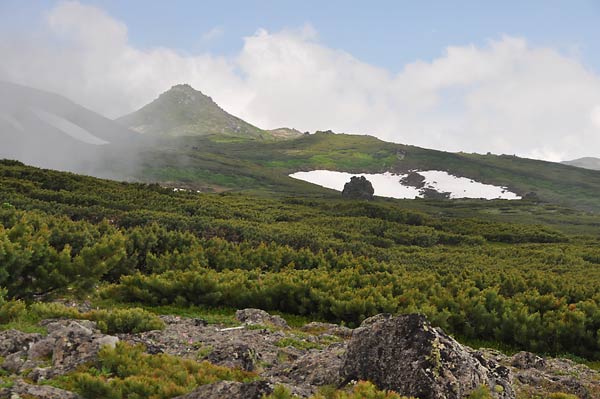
{"x":413,"y":179}
{"x":358,"y":188}
{"x":407,"y":355}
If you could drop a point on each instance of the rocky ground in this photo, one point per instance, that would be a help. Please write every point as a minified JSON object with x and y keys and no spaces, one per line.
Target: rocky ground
{"x":403,"y":353}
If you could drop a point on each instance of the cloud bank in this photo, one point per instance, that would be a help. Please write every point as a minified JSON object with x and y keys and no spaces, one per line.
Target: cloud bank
{"x":504,"y":97}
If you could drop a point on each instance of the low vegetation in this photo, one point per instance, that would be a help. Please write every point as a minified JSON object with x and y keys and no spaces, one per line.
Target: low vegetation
{"x":127,"y":372}
{"x":523,"y":285}
{"x":15,"y":313}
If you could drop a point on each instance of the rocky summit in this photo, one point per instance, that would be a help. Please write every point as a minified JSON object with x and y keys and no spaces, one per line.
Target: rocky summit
{"x":404,"y":354}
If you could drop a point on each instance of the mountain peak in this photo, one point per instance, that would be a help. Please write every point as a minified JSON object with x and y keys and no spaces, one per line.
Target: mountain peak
{"x":186,"y":94}
{"x":185,"y":111}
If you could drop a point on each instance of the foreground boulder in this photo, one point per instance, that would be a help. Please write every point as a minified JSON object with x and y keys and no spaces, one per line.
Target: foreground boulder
{"x":407,"y":355}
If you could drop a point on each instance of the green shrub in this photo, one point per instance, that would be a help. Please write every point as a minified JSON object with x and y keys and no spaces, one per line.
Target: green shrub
{"x":11,"y":310}
{"x":129,"y":373}
{"x":561,"y":395}
{"x":362,"y":390}
{"x":53,"y":310}
{"x":482,"y":392}
{"x":133,"y":320}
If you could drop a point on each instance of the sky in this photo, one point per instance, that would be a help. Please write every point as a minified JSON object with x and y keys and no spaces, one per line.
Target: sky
{"x":514,"y":77}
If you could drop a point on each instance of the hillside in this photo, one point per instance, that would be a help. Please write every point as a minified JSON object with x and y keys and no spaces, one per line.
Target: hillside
{"x":48,"y":130}
{"x":586,"y":163}
{"x":183,"y":111}
{"x":263,"y":167}
{"x":481,"y":270}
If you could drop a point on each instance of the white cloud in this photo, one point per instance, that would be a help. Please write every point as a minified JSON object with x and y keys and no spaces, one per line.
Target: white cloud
{"x":212,"y":35}
{"x":595,"y":117}
{"x":504,"y":97}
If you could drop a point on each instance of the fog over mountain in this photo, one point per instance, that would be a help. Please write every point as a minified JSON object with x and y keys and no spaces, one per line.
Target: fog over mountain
{"x":48,"y":130}
{"x":586,"y":163}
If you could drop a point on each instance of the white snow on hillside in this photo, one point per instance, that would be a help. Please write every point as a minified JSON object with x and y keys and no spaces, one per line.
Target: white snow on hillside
{"x":389,"y":185}
{"x":68,"y":127}
{"x":12,"y":121}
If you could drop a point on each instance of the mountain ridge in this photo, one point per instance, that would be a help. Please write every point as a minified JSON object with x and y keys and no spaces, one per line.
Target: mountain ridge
{"x":592,"y":163}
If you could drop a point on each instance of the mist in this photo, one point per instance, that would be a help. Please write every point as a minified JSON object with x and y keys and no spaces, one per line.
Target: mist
{"x":47,"y":130}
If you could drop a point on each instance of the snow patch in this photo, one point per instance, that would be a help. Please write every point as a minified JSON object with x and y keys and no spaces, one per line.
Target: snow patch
{"x":12,"y":121}
{"x":68,"y":127}
{"x":389,"y":184}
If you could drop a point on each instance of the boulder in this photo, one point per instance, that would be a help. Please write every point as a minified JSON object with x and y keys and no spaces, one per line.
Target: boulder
{"x":231,"y":390}
{"x":260,"y":317}
{"x":407,"y":355}
{"x":358,"y":188}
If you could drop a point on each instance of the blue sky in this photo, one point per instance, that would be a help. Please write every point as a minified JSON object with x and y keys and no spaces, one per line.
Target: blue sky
{"x":384,"y":33}
{"x":514,"y":77}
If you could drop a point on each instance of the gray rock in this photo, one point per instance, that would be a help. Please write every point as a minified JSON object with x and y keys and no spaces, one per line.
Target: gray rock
{"x":69,"y":344}
{"x":75,"y":344}
{"x":14,"y":362}
{"x":315,"y":368}
{"x":247,"y":348}
{"x":407,"y":355}
{"x":260,"y":317}
{"x":22,"y":389}
{"x":540,"y":376}
{"x":235,"y":354}
{"x":231,"y":390}
{"x":12,"y":341}
{"x":41,"y":350}
{"x":528,"y":360}
{"x":85,"y":327}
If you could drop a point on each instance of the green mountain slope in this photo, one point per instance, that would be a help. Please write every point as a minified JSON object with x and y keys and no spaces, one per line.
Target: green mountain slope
{"x":255,"y":166}
{"x":183,"y":111}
